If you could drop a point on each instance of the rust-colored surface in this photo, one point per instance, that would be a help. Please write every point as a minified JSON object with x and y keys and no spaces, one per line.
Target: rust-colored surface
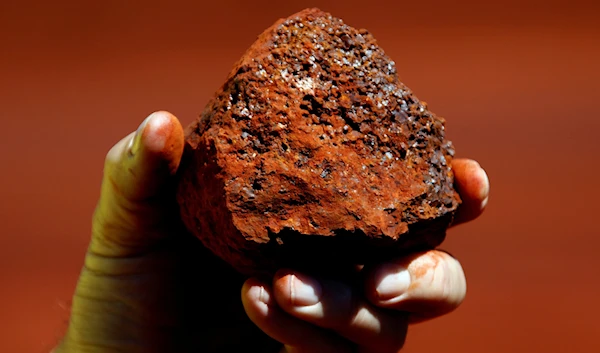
{"x":314,"y":146}
{"x":517,"y":81}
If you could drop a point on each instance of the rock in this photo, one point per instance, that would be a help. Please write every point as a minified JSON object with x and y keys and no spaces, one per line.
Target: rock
{"x":314,"y":155}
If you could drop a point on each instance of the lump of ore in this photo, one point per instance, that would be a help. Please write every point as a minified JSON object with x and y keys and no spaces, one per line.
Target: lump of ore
{"x":314,"y":155}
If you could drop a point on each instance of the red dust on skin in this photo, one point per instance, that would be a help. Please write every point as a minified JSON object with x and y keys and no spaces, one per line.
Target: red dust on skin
{"x":419,"y":266}
{"x":418,"y":270}
{"x":433,"y":276}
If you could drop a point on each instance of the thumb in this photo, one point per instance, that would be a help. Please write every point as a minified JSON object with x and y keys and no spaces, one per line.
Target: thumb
{"x":124,"y":289}
{"x":137,"y":200}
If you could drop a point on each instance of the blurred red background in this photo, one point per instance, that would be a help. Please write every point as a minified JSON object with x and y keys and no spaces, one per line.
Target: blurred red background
{"x":516,"y":80}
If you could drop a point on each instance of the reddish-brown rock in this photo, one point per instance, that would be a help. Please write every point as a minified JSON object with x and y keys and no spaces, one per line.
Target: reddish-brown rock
{"x":314,"y":154}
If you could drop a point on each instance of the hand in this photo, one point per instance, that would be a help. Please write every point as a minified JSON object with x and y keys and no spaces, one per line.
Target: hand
{"x":309,"y":314}
{"x":149,"y":286}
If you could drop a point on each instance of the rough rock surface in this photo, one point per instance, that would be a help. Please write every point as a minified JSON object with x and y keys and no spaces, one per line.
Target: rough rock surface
{"x":314,"y":154}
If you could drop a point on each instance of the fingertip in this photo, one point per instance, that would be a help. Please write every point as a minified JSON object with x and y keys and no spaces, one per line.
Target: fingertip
{"x":426,"y":284}
{"x":482,"y":183}
{"x":471,"y":178}
{"x":472,"y":183}
{"x":160,"y":136}
{"x":387,"y":283}
{"x":292,"y":289}
{"x":281,"y":280}
{"x":255,"y":298}
{"x":136,"y":195}
{"x":162,"y":131}
{"x":140,"y":165}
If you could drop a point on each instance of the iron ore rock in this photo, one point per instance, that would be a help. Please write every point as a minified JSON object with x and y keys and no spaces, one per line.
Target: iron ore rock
{"x":314,"y":155}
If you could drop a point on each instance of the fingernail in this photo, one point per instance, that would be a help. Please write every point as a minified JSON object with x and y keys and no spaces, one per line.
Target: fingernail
{"x":304,"y":291}
{"x":394,"y":281}
{"x":263,"y":296}
{"x":135,"y":142}
{"x":259,"y":295}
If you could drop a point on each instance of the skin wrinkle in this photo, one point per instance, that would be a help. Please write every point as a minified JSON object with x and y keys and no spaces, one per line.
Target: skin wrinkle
{"x":115,"y":186}
{"x":153,"y":223}
{"x":130,"y":265}
{"x":134,"y":206}
{"x":112,"y":307}
{"x":86,"y":338}
{"x":117,"y":291}
{"x":101,"y":244}
{"x":86,"y":342}
{"x":115,"y":240}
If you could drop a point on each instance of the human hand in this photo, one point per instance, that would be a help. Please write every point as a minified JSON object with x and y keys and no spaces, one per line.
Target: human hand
{"x":149,"y":286}
{"x":309,"y":314}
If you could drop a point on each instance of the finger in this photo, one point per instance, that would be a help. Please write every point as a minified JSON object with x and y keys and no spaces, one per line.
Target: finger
{"x":140,"y":164}
{"x":426,"y":284}
{"x":339,"y":307}
{"x":136,"y":196}
{"x":473,"y":186}
{"x":296,"y":335}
